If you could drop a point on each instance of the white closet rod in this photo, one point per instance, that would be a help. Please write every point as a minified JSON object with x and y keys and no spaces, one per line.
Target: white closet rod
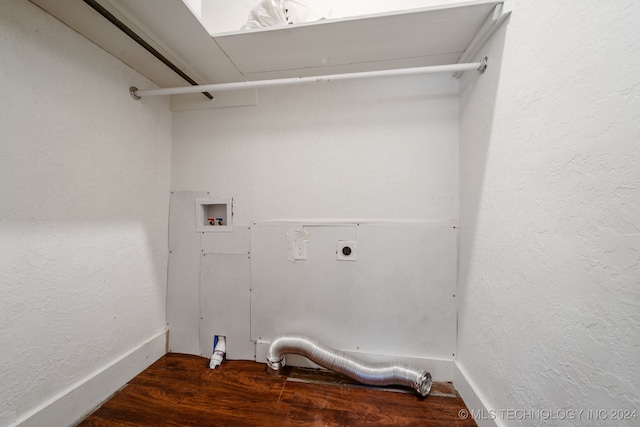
{"x":218,"y":87}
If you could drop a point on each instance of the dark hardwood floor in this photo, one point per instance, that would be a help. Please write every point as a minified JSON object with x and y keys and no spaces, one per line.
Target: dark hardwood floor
{"x":179,"y":390}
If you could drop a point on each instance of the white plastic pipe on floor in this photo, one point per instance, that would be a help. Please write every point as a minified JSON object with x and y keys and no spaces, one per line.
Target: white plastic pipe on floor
{"x":218,"y":87}
{"x":218,"y":352}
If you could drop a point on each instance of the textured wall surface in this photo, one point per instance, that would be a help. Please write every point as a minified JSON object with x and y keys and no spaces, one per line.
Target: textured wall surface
{"x":84,"y":190}
{"x":377,"y":148}
{"x":550,"y":213}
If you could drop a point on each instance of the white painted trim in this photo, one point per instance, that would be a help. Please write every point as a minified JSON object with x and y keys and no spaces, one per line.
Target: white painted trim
{"x":195,"y":101}
{"x":472,"y":398}
{"x":357,"y":221}
{"x":78,"y":400}
{"x":499,"y":15}
{"x":440,"y":369}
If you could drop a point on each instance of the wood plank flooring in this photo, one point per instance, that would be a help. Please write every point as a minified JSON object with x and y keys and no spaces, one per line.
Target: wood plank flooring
{"x":179,"y":390}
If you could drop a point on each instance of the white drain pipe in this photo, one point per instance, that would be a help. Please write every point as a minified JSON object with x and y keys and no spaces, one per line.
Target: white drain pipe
{"x":378,"y":374}
{"x":219,"y":348}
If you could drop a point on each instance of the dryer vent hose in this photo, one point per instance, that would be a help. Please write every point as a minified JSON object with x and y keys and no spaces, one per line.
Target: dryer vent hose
{"x":377,"y":374}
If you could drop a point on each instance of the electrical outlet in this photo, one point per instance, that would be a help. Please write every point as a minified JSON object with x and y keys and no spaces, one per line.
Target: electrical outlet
{"x":347,"y":250}
{"x":301,"y":250}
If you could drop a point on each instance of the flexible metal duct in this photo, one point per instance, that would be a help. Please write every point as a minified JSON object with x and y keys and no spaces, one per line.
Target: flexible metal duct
{"x":378,"y":374}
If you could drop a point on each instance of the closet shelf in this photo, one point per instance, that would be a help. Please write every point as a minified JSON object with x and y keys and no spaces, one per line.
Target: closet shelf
{"x":414,"y":38}
{"x":448,"y":34}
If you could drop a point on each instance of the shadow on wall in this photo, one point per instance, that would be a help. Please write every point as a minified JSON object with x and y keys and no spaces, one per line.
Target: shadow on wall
{"x":477,"y":105}
{"x":84,"y":184}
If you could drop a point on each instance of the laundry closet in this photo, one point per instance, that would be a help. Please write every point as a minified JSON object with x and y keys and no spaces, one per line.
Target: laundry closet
{"x":421,"y":183}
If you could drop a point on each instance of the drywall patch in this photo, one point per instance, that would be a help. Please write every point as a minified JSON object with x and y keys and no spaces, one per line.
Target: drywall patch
{"x":406,"y":272}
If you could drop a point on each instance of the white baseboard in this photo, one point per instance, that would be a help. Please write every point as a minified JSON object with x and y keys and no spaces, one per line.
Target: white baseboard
{"x":473,"y":399}
{"x":78,"y":400}
{"x":440,"y":369}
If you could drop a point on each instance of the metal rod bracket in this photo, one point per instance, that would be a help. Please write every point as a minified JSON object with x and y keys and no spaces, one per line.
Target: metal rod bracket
{"x":132,"y":92}
{"x":483,"y":65}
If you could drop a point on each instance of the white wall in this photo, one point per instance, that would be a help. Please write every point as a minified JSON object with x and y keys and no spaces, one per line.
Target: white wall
{"x":550,"y":212}
{"x":84,"y":184}
{"x":383,"y":148}
{"x":220,"y":16}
